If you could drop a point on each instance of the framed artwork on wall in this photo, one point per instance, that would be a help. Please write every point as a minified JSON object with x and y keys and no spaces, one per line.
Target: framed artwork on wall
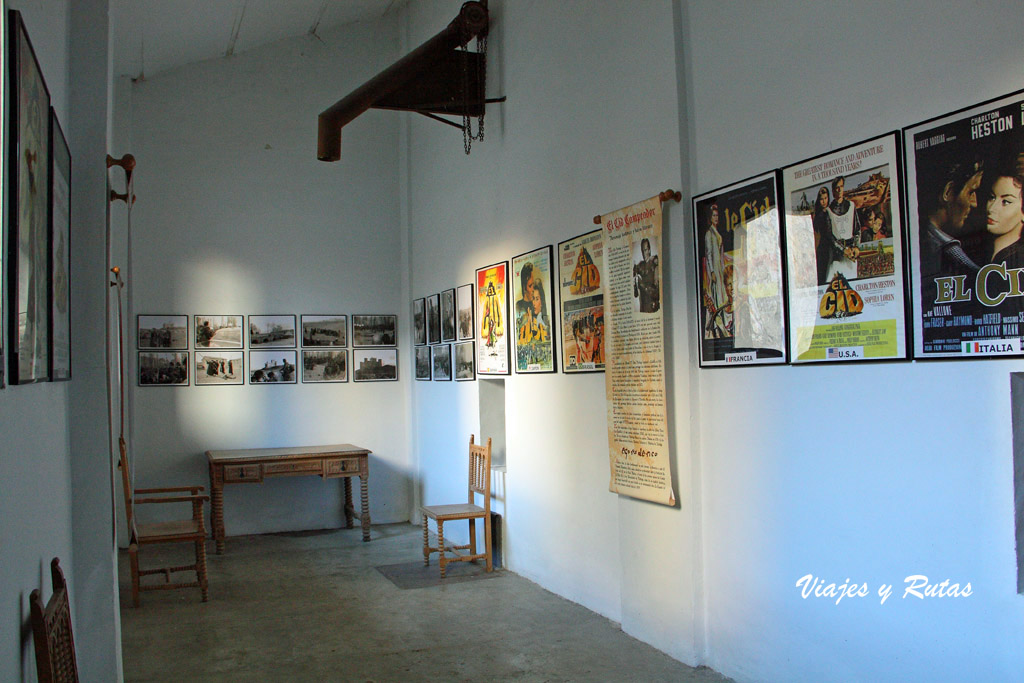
{"x":374,"y":365}
{"x":162,"y":332}
{"x":448,"y":315}
{"x":534,"y":335}
{"x":325,"y":366}
{"x":422,"y":362}
{"x":846,"y":254}
{"x":374,"y":330}
{"x":59,"y":253}
{"x":163,"y":368}
{"x":441,"y":361}
{"x":964,"y":176}
{"x":272,"y":367}
{"x":218,"y":331}
{"x":419,"y":322}
{"x":465,"y":356}
{"x":434,"y":319}
{"x":580,"y":262}
{"x":492,"y":316}
{"x":464,"y":310}
{"x":272,"y":331}
{"x":214,"y":368}
{"x":3,"y":186}
{"x":741,"y":315}
{"x":324,"y":330}
{"x":28,"y":205}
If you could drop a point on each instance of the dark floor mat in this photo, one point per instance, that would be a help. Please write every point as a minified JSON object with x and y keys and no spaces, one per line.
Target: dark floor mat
{"x":416,"y":575}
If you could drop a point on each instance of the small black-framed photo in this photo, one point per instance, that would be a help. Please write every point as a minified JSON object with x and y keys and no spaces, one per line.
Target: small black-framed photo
{"x":434,"y":319}
{"x":163,"y":368}
{"x":423,"y":363}
{"x":465,"y":367}
{"x":374,"y":330}
{"x":272,"y":332}
{"x":441,"y":362}
{"x":448,"y":315}
{"x":419,"y":321}
{"x":324,"y":366}
{"x":464,"y":310}
{"x":218,"y":331}
{"x":324,"y":330}
{"x":214,"y":368}
{"x":374,"y":365}
{"x":272,"y":367}
{"x":163,"y":332}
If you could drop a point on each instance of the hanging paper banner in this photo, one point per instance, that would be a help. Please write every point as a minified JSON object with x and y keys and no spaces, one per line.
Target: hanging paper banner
{"x":635,"y":369}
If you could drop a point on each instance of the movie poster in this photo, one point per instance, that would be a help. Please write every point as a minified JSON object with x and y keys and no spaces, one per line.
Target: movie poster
{"x":738,"y":243}
{"x":532,"y":309}
{"x":492,"y":319}
{"x":964,"y":176}
{"x":580,"y":262}
{"x":634,"y":378}
{"x":845,"y":255}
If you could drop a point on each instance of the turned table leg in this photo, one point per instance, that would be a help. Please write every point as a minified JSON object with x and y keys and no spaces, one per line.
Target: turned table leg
{"x":217,"y":506}
{"x":365,"y":496}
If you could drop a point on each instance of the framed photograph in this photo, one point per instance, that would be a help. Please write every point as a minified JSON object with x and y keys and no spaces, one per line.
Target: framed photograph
{"x":324,"y":330}
{"x":738,"y":251}
{"x":59,"y":250}
{"x":465,"y":356}
{"x":448,"y":315}
{"x":464,"y":310}
{"x":423,"y":362}
{"x":218,"y":331}
{"x":325,"y":366}
{"x":163,"y":368}
{"x":492,"y":312}
{"x":434,"y":319}
{"x":965,"y":171}
{"x":532,"y":283}
{"x":272,"y":331}
{"x":28,"y":204}
{"x":374,"y":330}
{"x":845,"y":254}
{"x":219,"y":367}
{"x":580,"y":262}
{"x":162,"y":332}
{"x":419,"y":322}
{"x":272,"y":367}
{"x":374,"y":365}
{"x":441,"y":362}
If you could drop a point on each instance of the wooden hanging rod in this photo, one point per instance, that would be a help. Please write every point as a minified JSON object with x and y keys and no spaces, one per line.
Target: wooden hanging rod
{"x":663,"y":196}
{"x":127,"y":162}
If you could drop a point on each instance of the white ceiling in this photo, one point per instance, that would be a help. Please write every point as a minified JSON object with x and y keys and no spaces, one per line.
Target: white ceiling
{"x":155,"y":35}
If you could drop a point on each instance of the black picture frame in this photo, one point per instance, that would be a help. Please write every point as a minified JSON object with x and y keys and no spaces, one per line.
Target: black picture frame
{"x":448,"y":332}
{"x":273,"y":366}
{"x":59,"y":253}
{"x":422,"y":363}
{"x":324,"y":330}
{"x":370,"y":330}
{"x":464,"y":311}
{"x":378,"y":364}
{"x":219,"y":367}
{"x":155,"y":332}
{"x":28,"y":209}
{"x":441,"y":362}
{"x":324,"y":365}
{"x":493,"y":343}
{"x":163,"y":368}
{"x":581,"y":298}
{"x":219,"y":331}
{"x":419,"y":321}
{"x":535,"y":349}
{"x":433,"y":319}
{"x":464,"y":361}
{"x":268,"y":331}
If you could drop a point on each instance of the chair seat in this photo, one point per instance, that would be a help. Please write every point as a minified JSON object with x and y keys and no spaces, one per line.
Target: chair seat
{"x":160,"y":531}
{"x":457,"y":511}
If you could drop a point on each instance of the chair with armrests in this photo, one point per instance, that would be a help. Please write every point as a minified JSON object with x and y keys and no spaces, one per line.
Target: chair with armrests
{"x":51,"y":630}
{"x":479,"y":483}
{"x":191,"y":530}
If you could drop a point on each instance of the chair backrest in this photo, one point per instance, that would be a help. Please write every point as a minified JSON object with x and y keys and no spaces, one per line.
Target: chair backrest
{"x":51,"y":630}
{"x":480,"y":471}
{"x":126,"y":482}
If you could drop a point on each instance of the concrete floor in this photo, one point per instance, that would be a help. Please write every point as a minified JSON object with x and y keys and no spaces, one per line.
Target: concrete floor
{"x":312,"y":606}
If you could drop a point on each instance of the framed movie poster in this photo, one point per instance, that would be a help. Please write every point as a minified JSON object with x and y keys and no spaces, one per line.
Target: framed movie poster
{"x":419,"y":322}
{"x":219,"y":367}
{"x":448,"y":315}
{"x":163,"y":368}
{"x":492,"y":319}
{"x":374,"y":365}
{"x":738,"y":252}
{"x":162,"y":332}
{"x":28,"y":204}
{"x":441,"y":361}
{"x":59,"y":253}
{"x":272,"y":367}
{"x":845,"y":254}
{"x":580,"y":262}
{"x":422,"y":362}
{"x":272,"y":331}
{"x":434,"y":319}
{"x":464,"y":365}
{"x":464,"y":307}
{"x":535,"y":336}
{"x":3,"y":185}
{"x":324,"y":365}
{"x":324,"y":330}
{"x":218,"y":331}
{"x":374,"y":330}
{"x":965,"y":172}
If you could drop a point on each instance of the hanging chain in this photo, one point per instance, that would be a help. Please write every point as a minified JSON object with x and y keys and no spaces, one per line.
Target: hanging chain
{"x":467,"y":131}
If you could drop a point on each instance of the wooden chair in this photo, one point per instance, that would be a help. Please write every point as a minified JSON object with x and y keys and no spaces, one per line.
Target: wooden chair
{"x":51,"y":630}
{"x":479,"y":482}
{"x":192,"y":530}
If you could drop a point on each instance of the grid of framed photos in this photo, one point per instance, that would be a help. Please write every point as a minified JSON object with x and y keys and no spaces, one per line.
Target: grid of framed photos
{"x":437,"y":321}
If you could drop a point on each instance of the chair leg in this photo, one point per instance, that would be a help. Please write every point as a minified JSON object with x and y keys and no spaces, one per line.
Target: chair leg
{"x":472,"y":536}
{"x":201,"y":569}
{"x":426,"y":542}
{"x":133,"y":561}
{"x":442,"y":560}
{"x":487,"y":540}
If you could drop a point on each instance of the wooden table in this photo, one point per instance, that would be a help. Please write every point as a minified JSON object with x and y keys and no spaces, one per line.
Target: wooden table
{"x":253,"y":465}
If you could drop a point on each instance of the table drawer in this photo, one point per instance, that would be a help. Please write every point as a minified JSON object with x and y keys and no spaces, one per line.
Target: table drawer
{"x":299,"y":467}
{"x":237,"y":473}
{"x":339,"y":467}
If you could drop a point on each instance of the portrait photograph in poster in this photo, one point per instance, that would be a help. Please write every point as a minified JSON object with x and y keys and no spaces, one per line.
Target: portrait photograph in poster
{"x":845,"y":254}
{"x":580,"y":261}
{"x":738,"y":251}
{"x":965,"y":172}
{"x":531,"y":290}
{"x":492,"y":319}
